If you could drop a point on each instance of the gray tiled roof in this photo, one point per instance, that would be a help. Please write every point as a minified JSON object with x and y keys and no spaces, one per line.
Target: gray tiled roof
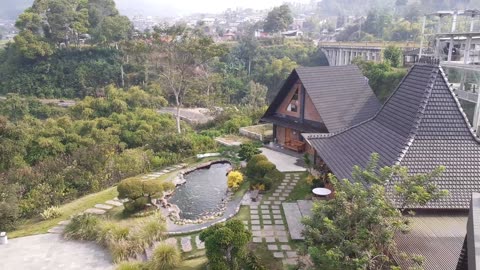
{"x":340,"y":94}
{"x":421,"y":126}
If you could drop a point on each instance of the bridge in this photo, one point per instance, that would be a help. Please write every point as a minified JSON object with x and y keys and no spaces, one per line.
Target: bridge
{"x":343,"y":53}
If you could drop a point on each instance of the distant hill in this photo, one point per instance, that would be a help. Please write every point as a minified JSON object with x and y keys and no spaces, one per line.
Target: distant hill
{"x":12,"y":8}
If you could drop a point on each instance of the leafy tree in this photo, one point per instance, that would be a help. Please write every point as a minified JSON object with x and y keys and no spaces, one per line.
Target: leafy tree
{"x":279,"y":19}
{"x":226,"y":245}
{"x":393,"y":55}
{"x":256,"y":96}
{"x":235,"y":179}
{"x":355,"y":229}
{"x":140,"y":192}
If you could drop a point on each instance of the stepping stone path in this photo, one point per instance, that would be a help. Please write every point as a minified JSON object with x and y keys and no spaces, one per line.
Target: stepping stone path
{"x":267,"y":223}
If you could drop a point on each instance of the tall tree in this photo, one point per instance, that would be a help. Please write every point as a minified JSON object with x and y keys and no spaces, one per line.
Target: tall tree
{"x":278,"y":19}
{"x":184,"y":54}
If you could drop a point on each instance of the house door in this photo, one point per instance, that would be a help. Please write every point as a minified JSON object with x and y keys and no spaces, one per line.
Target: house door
{"x":288,"y":135}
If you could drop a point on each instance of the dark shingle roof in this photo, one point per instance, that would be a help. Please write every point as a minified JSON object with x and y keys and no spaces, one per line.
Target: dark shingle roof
{"x":421,"y":126}
{"x":302,"y":127}
{"x":340,"y":94}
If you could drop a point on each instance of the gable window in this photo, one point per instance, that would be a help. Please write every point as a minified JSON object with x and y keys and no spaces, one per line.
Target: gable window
{"x":293,"y":105}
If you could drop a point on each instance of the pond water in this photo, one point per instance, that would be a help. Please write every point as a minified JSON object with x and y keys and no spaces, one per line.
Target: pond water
{"x":204,"y":191}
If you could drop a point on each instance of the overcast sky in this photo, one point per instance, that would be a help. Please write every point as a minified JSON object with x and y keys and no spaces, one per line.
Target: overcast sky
{"x":183,"y":7}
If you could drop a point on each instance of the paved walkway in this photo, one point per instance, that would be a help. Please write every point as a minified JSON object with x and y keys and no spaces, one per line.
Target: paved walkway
{"x":267,"y":223}
{"x":284,"y":161}
{"x":52,"y":252}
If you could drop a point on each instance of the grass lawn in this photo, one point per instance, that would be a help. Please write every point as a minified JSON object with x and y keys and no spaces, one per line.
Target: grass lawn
{"x":38,"y":226}
{"x":199,"y":263}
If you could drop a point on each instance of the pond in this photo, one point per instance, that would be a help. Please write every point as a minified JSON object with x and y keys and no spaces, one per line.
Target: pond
{"x":203,"y":192}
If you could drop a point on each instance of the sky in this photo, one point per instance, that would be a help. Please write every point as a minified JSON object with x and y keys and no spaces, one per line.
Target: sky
{"x":184,"y":7}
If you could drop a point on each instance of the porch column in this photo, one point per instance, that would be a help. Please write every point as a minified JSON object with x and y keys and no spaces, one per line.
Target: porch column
{"x":275,"y":133}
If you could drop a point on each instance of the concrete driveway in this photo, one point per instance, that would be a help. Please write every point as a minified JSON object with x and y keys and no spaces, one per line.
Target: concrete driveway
{"x":285,"y":162}
{"x":52,"y":252}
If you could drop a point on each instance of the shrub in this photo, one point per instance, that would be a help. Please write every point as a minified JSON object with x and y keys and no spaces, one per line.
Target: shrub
{"x":82,"y":227}
{"x":111,"y":232}
{"x":51,"y":213}
{"x":235,"y":179}
{"x":131,"y":266}
{"x":150,"y":230}
{"x":165,"y":257}
{"x":124,"y":249}
{"x":262,"y":173}
{"x":247,"y":151}
{"x":253,"y":163}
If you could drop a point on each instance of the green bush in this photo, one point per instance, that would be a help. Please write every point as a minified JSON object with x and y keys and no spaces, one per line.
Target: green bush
{"x":82,"y":227}
{"x":150,"y":230}
{"x":165,"y":257}
{"x":111,"y":232}
{"x":140,"y":192}
{"x":248,"y":150}
{"x":261,"y":172}
{"x":233,"y":125}
{"x":51,"y":213}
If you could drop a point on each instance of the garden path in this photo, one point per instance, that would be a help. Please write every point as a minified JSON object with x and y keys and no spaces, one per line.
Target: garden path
{"x":268,"y":224}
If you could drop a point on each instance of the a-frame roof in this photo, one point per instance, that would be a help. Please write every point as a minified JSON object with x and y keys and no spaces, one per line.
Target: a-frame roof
{"x":421,"y":126}
{"x":340,"y":94}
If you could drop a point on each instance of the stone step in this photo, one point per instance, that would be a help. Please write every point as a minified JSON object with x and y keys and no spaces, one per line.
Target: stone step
{"x":103,"y":206}
{"x":114,"y":203}
{"x":199,"y":243}
{"x":95,"y":211}
{"x":186,"y":243}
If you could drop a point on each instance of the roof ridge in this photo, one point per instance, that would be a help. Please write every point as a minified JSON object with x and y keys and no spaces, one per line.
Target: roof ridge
{"x":420,"y":113}
{"x":457,"y":102}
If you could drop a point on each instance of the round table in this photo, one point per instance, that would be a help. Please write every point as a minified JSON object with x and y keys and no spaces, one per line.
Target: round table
{"x":321,"y":191}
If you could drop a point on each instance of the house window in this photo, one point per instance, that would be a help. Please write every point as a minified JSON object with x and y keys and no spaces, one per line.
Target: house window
{"x":293,"y":105}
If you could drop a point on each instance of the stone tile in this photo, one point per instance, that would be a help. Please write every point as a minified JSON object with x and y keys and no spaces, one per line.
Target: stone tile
{"x":272,"y":247}
{"x":257,"y":233}
{"x":284,"y":194}
{"x":264,"y":206}
{"x":265,"y":216}
{"x":254,"y":217}
{"x":270,"y":239}
{"x":276,"y":207}
{"x":267,"y":222}
{"x":281,"y":233}
{"x":282,"y":198}
{"x":277,"y":202}
{"x":279,"y":227}
{"x":282,"y":239}
{"x":276,"y":212}
{"x":276,"y":194}
{"x":199,"y":243}
{"x":256,"y":228}
{"x":186,"y":243}
{"x":278,"y":221}
{"x":267,"y":202}
{"x":245,"y":222}
{"x":257,"y":239}
{"x":285,"y":248}
{"x":277,"y":216}
{"x":278,"y":255}
{"x":292,"y":254}
{"x":255,"y":222}
{"x":281,"y":188}
{"x":268,"y":227}
{"x":172,"y":241}
{"x":267,"y":233}
{"x":283,"y":184}
{"x":253,"y":212}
